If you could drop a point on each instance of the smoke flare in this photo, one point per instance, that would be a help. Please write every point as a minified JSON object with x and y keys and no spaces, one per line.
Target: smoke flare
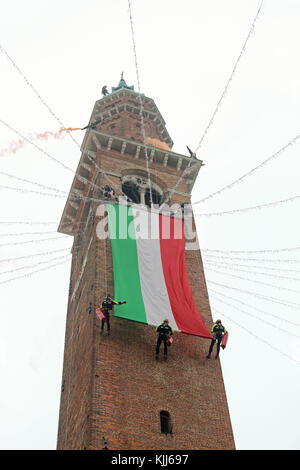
{"x":16,"y":145}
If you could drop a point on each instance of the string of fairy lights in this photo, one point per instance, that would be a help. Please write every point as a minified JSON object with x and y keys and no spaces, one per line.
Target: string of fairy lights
{"x":213,"y":259}
{"x":140,"y":98}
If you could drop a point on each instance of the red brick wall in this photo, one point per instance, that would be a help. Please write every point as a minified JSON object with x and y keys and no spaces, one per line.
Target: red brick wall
{"x":113,"y":385}
{"x":124,"y":123}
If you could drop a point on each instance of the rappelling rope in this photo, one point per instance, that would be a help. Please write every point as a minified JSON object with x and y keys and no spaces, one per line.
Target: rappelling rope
{"x":105,"y":261}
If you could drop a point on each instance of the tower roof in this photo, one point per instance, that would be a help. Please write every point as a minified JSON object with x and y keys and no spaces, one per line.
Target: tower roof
{"x":122,"y":84}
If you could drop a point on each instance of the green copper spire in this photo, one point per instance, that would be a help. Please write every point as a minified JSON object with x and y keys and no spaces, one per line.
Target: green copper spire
{"x":122,"y":84}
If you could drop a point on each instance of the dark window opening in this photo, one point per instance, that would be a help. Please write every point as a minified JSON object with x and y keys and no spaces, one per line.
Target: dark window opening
{"x":165,"y":422}
{"x":156,"y":197}
{"x":132,"y":191}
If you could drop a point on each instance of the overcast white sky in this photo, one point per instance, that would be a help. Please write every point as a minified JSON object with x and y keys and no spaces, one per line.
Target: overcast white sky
{"x":186,"y":51}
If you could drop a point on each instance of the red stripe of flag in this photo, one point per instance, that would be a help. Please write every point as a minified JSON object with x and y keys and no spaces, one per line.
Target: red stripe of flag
{"x":182,"y":302}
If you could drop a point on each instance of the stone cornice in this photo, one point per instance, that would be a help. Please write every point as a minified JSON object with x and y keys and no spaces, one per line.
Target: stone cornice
{"x":86,"y":170}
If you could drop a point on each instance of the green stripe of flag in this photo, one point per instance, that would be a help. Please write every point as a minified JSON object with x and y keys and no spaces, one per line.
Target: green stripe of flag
{"x":125,"y":263}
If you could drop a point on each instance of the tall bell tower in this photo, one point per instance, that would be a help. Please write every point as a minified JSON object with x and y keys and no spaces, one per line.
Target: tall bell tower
{"x":113,"y":390}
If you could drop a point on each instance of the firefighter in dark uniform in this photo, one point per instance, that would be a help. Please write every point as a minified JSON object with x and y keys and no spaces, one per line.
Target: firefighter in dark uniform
{"x":217,"y":331}
{"x":106,"y":307}
{"x":108,"y":192}
{"x":164,"y":331}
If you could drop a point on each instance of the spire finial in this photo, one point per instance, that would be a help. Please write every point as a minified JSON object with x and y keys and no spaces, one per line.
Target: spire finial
{"x":122,"y":84}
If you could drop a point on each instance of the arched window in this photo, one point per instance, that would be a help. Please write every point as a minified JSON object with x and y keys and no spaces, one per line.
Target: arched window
{"x":165,"y":422}
{"x":137,"y":189}
{"x":131,"y":189}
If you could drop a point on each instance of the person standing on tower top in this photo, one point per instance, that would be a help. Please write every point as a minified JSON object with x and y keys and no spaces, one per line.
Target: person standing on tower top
{"x":104,"y":90}
{"x":106,"y":307}
{"x":217,"y":331}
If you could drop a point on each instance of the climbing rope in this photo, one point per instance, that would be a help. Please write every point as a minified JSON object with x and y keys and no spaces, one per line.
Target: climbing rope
{"x":105,"y":268}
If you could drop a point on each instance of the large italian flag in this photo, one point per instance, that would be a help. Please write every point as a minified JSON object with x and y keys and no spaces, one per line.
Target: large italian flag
{"x":150,"y":272}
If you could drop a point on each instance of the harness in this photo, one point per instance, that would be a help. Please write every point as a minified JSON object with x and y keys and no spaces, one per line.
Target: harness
{"x":164,"y":330}
{"x":219,"y":330}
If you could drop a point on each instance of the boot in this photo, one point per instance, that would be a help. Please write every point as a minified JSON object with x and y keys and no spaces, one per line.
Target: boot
{"x":217,"y":355}
{"x":208,"y":356}
{"x":156,"y":357}
{"x":165,"y":357}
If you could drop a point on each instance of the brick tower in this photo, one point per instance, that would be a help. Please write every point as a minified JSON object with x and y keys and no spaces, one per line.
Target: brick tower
{"x":112,"y":388}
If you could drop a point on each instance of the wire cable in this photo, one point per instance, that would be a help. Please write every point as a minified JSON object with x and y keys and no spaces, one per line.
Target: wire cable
{"x":33,"y":182}
{"x":140,"y":98}
{"x":250,"y":172}
{"x":33,"y":272}
{"x":232,"y":267}
{"x":74,"y":195}
{"x":230,"y":78}
{"x":66,"y":167}
{"x":251,"y":208}
{"x":253,"y":280}
{"x":257,"y":309}
{"x":272,"y":250}
{"x":268,"y":260}
{"x":219,"y":102}
{"x":35,"y":241}
{"x":34,"y":255}
{"x":25,"y":222}
{"x":288,"y":304}
{"x":290,"y":333}
{"x":21,"y":234}
{"x":37,"y":93}
{"x":21,"y":190}
{"x":170,"y":195}
{"x":224,"y":264}
{"x":257,"y":337}
{"x":34,"y":265}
